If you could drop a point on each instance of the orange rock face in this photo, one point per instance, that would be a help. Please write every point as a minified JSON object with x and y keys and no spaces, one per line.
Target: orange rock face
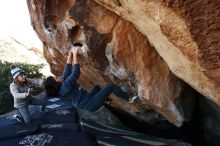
{"x":140,"y":56}
{"x":184,"y":33}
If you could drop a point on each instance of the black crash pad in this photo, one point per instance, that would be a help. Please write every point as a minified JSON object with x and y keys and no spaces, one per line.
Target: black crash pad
{"x":118,"y":136}
{"x":94,"y":128}
{"x":128,"y":141}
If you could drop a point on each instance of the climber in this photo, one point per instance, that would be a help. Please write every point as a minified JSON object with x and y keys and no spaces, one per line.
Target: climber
{"x":67,"y":86}
{"x":21,"y":89}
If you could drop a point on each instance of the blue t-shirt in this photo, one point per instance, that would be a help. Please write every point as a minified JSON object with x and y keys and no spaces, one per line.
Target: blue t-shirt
{"x":70,"y":88}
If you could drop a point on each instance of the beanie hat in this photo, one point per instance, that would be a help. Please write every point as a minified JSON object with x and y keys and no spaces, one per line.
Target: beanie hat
{"x":16,"y":72}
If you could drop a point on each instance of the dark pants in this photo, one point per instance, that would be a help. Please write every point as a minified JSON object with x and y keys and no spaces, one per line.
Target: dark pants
{"x":24,"y":110}
{"x":98,"y":96}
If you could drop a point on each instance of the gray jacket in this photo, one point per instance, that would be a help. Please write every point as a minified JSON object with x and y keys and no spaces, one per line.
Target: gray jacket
{"x":19,"y":92}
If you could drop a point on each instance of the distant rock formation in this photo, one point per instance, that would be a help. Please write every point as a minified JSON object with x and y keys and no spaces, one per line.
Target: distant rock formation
{"x":147,"y":47}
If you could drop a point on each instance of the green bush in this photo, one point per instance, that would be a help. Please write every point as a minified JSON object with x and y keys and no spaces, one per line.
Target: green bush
{"x":6,"y":99}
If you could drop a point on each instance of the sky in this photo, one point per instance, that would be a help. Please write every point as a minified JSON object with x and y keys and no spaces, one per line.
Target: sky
{"x":15,"y":22}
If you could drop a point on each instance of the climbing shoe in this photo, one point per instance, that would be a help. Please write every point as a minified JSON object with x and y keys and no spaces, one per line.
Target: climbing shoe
{"x":133,"y":98}
{"x":108,"y":101}
{"x":19,"y":119}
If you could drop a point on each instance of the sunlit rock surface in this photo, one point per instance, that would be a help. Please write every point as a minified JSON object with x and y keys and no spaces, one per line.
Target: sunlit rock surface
{"x":138,"y":45}
{"x":185,"y":33}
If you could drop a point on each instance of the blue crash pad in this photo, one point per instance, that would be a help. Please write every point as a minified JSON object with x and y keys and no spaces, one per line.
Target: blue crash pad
{"x":60,"y":116}
{"x":62,"y":119}
{"x":58,"y":103}
{"x":7,"y":133}
{"x":36,"y":115}
{"x":51,"y":138}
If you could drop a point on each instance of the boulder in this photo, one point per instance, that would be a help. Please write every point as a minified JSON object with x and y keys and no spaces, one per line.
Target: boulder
{"x":149,"y":48}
